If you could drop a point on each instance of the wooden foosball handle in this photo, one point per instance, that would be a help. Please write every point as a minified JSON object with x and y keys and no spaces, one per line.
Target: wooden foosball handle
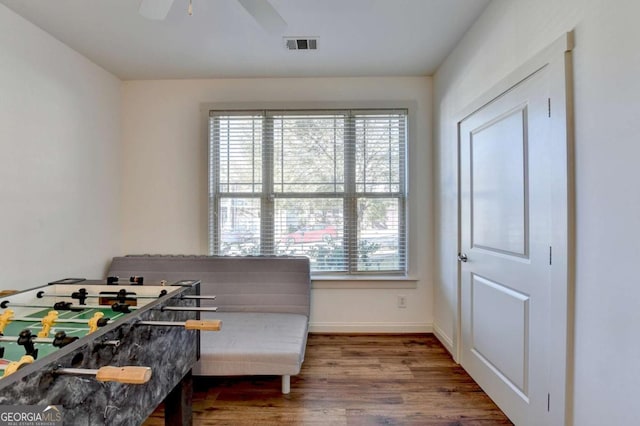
{"x":204,"y":325}
{"x":131,"y":375}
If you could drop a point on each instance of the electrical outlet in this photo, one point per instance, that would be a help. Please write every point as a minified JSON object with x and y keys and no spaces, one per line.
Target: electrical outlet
{"x":402,"y":301}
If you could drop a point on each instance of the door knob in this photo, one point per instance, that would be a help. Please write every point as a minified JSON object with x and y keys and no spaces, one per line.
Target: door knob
{"x":462,"y":257}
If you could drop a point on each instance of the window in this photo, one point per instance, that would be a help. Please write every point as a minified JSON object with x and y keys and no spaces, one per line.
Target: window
{"x":329,"y":185}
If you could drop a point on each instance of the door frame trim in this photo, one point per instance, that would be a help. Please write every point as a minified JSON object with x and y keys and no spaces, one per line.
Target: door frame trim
{"x":558,"y":58}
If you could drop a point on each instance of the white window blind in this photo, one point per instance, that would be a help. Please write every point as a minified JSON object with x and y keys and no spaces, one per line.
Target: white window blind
{"x":330,"y":185}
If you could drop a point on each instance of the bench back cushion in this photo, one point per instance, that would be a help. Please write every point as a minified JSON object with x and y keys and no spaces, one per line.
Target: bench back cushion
{"x":241,"y":284}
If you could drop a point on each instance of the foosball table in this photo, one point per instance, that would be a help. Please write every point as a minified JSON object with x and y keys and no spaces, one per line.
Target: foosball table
{"x":102,"y":352}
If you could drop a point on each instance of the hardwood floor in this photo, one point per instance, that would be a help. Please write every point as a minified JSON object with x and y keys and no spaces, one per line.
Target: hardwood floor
{"x":352,"y":380}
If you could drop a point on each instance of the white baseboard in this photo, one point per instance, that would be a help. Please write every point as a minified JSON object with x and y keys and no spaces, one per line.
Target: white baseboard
{"x":446,"y":341}
{"x":370,"y":327}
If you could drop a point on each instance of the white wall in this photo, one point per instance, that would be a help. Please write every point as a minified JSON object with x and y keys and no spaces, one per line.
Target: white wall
{"x":607,"y":96}
{"x":165,"y":182}
{"x":59,"y":173}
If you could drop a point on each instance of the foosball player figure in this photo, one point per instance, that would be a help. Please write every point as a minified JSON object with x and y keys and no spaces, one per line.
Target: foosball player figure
{"x":60,"y":339}
{"x":136,"y":280}
{"x":81,"y":295}
{"x":66,"y":306}
{"x":5,"y":319}
{"x":25,"y":338}
{"x":47,"y":322}
{"x":122,"y":296}
{"x":97,"y":321}
{"x":14,"y":366}
{"x":120,"y":307}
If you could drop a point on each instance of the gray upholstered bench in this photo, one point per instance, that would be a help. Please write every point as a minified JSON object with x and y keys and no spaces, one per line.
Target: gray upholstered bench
{"x":263,"y":303}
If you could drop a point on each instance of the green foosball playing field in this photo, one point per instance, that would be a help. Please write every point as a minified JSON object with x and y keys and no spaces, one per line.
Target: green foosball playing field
{"x":78,"y":326}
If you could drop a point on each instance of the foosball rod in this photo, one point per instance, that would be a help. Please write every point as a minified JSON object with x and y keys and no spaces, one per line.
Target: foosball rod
{"x":131,"y":375}
{"x":198,"y":297}
{"x":14,"y":339}
{"x":61,"y":320}
{"x":65,"y":306}
{"x":42,"y":294}
{"x":188,"y":308}
{"x":203,"y":325}
{"x":71,"y":307}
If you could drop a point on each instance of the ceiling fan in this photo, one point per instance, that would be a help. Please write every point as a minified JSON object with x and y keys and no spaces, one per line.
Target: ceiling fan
{"x":261,"y":10}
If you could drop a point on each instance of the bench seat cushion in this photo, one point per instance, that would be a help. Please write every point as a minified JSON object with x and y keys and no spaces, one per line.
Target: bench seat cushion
{"x":253,"y":343}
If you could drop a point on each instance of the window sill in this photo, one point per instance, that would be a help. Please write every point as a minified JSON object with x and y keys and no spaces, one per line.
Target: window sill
{"x":363,"y":282}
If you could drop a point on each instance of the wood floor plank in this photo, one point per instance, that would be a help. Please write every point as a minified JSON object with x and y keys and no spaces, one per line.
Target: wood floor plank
{"x":352,"y":380}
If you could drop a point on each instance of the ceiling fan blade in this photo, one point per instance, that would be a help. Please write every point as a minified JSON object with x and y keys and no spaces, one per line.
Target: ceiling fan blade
{"x":156,"y":10}
{"x":265,"y":15}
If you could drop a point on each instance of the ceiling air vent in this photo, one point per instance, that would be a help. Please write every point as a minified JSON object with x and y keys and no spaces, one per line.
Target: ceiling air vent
{"x":302,"y":43}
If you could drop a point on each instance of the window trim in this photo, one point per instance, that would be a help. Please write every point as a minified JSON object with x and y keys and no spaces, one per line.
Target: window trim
{"x":410,"y":106}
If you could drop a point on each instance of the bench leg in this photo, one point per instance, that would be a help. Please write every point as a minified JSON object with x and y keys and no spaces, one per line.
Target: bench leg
{"x":286,"y":384}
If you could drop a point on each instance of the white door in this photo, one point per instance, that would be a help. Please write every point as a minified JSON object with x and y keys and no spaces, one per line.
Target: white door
{"x":505,"y":248}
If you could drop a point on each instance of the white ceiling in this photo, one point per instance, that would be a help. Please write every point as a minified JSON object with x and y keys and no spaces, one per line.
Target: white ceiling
{"x":356,"y":37}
